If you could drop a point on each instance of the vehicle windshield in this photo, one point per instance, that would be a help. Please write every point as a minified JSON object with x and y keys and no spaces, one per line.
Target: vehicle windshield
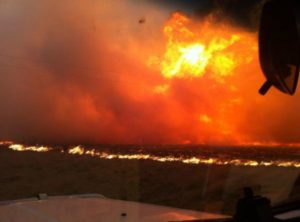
{"x":142,"y":100}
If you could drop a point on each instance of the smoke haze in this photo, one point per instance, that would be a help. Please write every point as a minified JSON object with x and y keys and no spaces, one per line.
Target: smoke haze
{"x":76,"y":72}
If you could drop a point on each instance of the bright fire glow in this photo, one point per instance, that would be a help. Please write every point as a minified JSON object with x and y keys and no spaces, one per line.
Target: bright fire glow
{"x":20,"y":147}
{"x":76,"y":150}
{"x":79,"y":150}
{"x":205,"y":119}
{"x":5,"y":143}
{"x":205,"y":64}
{"x":190,"y":53}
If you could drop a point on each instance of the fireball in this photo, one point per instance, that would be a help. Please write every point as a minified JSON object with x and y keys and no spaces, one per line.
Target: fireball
{"x":193,"y":51}
{"x":207,"y":58}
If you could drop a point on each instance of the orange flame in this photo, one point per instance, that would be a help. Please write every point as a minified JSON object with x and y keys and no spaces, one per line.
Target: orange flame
{"x":217,"y":57}
{"x":20,"y":147}
{"x":191,"y":50}
{"x":80,"y":150}
{"x":76,"y":150}
{"x":5,"y":143}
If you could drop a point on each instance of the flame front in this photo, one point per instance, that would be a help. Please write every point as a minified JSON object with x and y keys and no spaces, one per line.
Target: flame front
{"x":20,"y":147}
{"x":202,"y":160}
{"x":76,"y":150}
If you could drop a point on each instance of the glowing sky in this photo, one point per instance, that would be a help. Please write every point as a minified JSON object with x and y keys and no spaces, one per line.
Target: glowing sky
{"x":78,"y":72}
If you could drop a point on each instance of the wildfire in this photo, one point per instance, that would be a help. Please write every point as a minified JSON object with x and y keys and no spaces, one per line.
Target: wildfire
{"x":76,"y":150}
{"x":204,"y":65}
{"x":5,"y":143}
{"x":79,"y":150}
{"x":191,"y":50}
{"x":19,"y":147}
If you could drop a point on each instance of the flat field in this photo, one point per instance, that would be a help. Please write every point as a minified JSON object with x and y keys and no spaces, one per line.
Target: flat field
{"x":210,"y":188}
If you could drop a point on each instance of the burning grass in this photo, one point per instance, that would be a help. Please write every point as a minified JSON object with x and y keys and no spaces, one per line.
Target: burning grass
{"x":213,"y":158}
{"x":206,"y":187}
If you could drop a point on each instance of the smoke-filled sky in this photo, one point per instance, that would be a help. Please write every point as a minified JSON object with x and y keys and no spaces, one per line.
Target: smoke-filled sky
{"x":77,"y":72}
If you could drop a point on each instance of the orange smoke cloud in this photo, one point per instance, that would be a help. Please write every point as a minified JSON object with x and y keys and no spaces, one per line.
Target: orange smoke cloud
{"x":91,"y":73}
{"x":207,"y":56}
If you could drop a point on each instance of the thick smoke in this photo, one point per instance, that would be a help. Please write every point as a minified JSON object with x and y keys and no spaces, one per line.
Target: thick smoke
{"x":75,"y":72}
{"x":244,"y":13}
{"x":66,"y":67}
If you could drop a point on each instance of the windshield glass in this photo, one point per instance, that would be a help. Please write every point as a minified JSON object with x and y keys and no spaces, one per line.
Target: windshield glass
{"x":142,"y":100}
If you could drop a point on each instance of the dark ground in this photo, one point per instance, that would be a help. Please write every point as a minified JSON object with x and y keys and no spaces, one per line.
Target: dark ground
{"x":198,"y":187}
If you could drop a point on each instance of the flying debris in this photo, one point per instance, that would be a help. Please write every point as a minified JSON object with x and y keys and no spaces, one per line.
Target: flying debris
{"x":279,"y":45}
{"x":142,"y":21}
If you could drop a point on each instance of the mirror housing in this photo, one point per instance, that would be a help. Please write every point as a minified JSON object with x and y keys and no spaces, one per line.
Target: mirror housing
{"x":279,"y":45}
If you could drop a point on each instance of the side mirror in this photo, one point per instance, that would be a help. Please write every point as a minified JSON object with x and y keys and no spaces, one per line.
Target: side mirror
{"x":279,"y":45}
